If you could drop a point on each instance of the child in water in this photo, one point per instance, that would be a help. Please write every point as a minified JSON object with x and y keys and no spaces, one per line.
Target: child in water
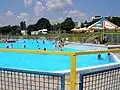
{"x":44,"y":49}
{"x":11,"y":45}
{"x":99,"y":57}
{"x":109,"y":56}
{"x":24,"y":46}
{"x":7,"y":47}
{"x":43,"y":42}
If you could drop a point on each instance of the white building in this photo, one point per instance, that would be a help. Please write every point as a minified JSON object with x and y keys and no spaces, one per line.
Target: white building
{"x":34,"y":32}
{"x":77,"y":24}
{"x":23,"y":32}
{"x":43,"y":31}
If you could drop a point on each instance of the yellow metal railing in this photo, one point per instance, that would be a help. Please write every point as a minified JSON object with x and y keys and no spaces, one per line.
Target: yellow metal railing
{"x":73,"y":59}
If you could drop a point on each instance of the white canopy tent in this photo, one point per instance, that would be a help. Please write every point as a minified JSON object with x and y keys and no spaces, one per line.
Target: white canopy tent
{"x":80,"y":29}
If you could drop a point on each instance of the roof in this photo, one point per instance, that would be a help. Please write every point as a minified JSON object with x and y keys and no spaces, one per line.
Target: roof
{"x":103,"y":23}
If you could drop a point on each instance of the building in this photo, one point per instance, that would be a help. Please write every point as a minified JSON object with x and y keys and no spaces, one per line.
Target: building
{"x":34,"y":32}
{"x":43,"y":31}
{"x":77,"y":24}
{"x":23,"y":32}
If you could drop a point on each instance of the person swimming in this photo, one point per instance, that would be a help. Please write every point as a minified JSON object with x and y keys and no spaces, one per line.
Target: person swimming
{"x":7,"y":47}
{"x":43,"y":42}
{"x":44,"y":49}
{"x":60,"y":47}
{"x":37,"y":41}
{"x":109,"y":56}
{"x":11,"y":45}
{"x":99,"y":56}
{"x":24,"y":46}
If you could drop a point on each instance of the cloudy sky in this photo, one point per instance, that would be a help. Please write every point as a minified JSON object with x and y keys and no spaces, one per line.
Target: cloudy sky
{"x":13,"y":11}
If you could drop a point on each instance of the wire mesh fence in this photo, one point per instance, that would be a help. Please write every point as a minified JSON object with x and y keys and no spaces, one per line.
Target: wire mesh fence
{"x":22,"y":80}
{"x":114,"y":38}
{"x":102,"y":80}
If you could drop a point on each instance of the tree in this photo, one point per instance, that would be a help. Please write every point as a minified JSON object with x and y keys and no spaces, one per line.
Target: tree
{"x":43,"y":23}
{"x":15,"y":30}
{"x":68,"y":24}
{"x":31,"y":28}
{"x":82,"y":25}
{"x":6,"y":29}
{"x":23,"y":25}
{"x":56,"y":26}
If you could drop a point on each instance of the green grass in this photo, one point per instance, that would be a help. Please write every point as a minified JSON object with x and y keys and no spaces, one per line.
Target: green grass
{"x":72,"y":37}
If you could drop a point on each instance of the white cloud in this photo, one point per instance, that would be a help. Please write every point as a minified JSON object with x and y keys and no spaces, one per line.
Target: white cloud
{"x":57,"y":4}
{"x":27,"y":2}
{"x":74,"y":13}
{"x":60,"y":19}
{"x":38,"y":7}
{"x":9,"y":13}
{"x":23,"y":17}
{"x":77,"y":15}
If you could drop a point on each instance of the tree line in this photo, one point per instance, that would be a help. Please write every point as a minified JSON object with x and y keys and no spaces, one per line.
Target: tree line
{"x":44,"y":23}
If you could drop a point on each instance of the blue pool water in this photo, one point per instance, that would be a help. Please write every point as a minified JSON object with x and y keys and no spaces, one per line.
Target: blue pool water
{"x":37,"y":62}
{"x":33,"y":45}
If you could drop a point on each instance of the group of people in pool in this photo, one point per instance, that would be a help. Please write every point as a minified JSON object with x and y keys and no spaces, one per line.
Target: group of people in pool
{"x":57,"y":44}
{"x":100,"y":57}
{"x":25,"y":46}
{"x":11,"y":46}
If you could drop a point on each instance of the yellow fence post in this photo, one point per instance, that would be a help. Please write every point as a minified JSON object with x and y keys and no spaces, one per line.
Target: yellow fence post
{"x":101,"y":36}
{"x":73,"y":72}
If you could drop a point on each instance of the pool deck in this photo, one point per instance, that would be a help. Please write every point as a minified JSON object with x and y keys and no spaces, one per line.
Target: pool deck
{"x":96,"y":45}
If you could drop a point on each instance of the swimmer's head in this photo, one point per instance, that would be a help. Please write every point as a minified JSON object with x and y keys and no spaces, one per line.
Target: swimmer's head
{"x":44,"y":49}
{"x":108,"y":54}
{"x":55,"y":45}
{"x":99,"y":56}
{"x":7,"y":47}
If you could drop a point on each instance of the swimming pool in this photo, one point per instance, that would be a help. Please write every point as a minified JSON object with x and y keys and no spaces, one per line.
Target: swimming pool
{"x":48,"y":63}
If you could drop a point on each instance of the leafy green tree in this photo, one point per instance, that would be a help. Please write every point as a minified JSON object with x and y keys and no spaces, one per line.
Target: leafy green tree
{"x":23,"y":25}
{"x":6,"y":30}
{"x":56,"y":26}
{"x":82,"y":25}
{"x":68,"y":24}
{"x":15,"y":30}
{"x":43,"y":23}
{"x":31,"y":28}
